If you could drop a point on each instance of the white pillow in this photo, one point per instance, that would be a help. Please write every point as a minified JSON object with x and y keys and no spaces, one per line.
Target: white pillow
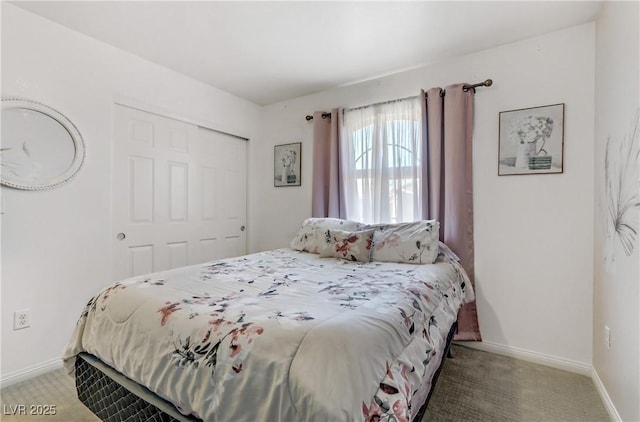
{"x":311,"y":236}
{"x":352,"y":246}
{"x":411,"y":243}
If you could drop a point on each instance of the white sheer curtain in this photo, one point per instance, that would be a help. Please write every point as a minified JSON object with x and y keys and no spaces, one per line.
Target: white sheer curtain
{"x":381,"y":162}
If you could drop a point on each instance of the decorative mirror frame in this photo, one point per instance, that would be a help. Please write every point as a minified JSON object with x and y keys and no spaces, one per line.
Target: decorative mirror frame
{"x":77,"y":142}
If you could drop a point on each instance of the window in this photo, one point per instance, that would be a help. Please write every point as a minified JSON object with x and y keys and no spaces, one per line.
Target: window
{"x":381,"y":162}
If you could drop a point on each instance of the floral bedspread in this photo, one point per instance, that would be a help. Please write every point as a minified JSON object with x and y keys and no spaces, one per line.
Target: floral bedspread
{"x":279,"y":335}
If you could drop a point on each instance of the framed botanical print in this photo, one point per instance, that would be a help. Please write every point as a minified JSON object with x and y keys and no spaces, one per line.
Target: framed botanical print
{"x":286,"y":164}
{"x":531,"y":140}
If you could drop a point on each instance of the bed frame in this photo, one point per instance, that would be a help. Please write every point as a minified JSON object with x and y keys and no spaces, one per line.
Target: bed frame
{"x":115,"y":398}
{"x":446,"y":354}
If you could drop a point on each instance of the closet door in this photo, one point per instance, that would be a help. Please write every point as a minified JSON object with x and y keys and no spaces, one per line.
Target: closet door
{"x":178,"y":194}
{"x":222,"y":168}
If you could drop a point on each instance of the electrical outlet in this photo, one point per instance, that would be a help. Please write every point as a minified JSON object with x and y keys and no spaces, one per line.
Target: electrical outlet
{"x":21,"y":319}
{"x":607,"y":337}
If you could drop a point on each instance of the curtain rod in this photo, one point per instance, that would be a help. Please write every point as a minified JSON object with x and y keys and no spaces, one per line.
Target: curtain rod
{"x":488,"y":82}
{"x":324,"y":116}
{"x":381,"y":102}
{"x":465,"y":88}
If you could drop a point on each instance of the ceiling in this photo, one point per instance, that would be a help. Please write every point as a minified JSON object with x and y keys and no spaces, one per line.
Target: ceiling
{"x":271,"y":51}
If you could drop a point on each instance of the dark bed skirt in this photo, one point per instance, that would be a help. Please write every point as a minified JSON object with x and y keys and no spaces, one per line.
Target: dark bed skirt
{"x":115,"y":398}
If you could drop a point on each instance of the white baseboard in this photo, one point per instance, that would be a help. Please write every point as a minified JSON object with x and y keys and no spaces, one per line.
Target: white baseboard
{"x":30,"y":372}
{"x":535,"y":357}
{"x":606,"y":400}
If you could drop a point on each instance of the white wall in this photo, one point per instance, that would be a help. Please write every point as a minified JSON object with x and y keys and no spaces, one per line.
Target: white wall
{"x":533,"y":233}
{"x":616,"y":287}
{"x":56,"y":244}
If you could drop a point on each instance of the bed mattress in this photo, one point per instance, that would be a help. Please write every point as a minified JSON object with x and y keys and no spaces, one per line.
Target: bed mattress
{"x":279,"y":335}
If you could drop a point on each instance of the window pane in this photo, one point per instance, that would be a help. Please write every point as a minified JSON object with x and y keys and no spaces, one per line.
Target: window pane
{"x":381,"y":160}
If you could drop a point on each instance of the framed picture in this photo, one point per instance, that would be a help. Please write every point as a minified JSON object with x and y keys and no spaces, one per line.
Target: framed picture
{"x":531,"y":140}
{"x":286,"y":164}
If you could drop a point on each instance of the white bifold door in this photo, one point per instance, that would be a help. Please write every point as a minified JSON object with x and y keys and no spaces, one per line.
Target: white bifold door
{"x":179,"y":193}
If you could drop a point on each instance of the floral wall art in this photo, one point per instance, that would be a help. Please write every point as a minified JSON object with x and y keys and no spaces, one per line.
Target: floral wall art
{"x":622,"y":192}
{"x":531,"y":140}
{"x":286,"y":165}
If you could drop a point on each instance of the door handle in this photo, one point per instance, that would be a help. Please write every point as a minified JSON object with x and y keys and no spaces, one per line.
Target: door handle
{"x":121,"y":236}
{"x":242,"y":228}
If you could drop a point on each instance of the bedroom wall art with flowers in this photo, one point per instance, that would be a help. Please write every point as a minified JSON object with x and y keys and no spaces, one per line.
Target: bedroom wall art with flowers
{"x":531,"y":140}
{"x":287,"y":164}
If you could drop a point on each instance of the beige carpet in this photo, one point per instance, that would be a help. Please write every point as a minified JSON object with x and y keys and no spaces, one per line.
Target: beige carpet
{"x":481,"y":386}
{"x":473,"y":386}
{"x":54,"y":388}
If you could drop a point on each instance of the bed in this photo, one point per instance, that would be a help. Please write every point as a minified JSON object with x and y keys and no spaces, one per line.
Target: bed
{"x":282,"y":335}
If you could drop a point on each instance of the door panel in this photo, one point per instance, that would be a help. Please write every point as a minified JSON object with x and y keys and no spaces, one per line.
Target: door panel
{"x":141,"y":186}
{"x":179,"y":193}
{"x":140,"y":259}
{"x":178,"y":254}
{"x":209,"y":249}
{"x":209,"y":194}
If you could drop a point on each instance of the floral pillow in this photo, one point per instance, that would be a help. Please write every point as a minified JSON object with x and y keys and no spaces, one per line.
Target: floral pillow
{"x":311,"y":236}
{"x":411,"y":243}
{"x":352,"y":246}
{"x":446,"y":254}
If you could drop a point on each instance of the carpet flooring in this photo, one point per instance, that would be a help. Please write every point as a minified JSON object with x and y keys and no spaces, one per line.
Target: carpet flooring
{"x":473,"y":386}
{"x":481,"y":386}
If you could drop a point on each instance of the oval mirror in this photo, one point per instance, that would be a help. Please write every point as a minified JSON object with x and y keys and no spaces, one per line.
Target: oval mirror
{"x":40,"y":148}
